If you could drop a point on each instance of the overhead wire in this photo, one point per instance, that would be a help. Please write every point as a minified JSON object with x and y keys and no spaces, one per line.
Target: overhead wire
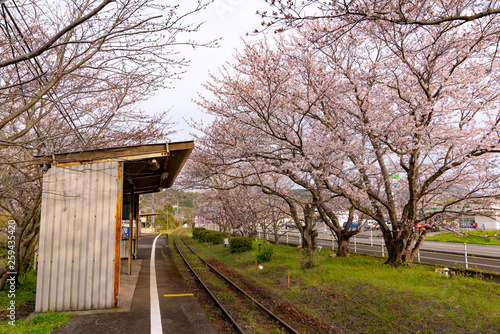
{"x":36,"y":61}
{"x":6,"y":31}
{"x":38,"y":69}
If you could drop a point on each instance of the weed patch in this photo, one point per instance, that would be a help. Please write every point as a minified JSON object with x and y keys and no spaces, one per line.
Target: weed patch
{"x":380,"y":298}
{"x":43,"y":323}
{"x":265,"y":253}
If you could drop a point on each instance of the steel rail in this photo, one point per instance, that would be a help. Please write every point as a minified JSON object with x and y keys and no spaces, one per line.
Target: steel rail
{"x":230,"y":318}
{"x":268,"y":312}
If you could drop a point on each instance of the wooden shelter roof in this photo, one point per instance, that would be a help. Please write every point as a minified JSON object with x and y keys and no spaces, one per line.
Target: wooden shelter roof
{"x":149,"y":168}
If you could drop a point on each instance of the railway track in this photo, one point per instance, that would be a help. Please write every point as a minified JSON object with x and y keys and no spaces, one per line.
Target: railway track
{"x":245,"y":313}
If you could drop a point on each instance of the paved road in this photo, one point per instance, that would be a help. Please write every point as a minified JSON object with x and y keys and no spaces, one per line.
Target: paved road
{"x":472,"y":249}
{"x":483,"y":257}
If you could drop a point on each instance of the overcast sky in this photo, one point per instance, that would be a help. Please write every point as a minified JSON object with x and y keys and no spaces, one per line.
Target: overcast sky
{"x":228,"y":19}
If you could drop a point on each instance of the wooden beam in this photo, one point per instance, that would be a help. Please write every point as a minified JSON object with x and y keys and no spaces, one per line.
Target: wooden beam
{"x":118,"y":228}
{"x":118,"y":153}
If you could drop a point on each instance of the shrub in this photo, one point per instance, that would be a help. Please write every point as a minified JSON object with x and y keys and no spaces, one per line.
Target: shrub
{"x":240,"y":245}
{"x":265,"y":253}
{"x":201,"y":233}
{"x":217,"y":237}
{"x":196,"y":232}
{"x":207,"y":235}
{"x":308,"y":258}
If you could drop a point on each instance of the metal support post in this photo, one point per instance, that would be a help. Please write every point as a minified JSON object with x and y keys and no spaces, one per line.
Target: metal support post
{"x":466,"y":260}
{"x":130,"y":229}
{"x":137,"y":223}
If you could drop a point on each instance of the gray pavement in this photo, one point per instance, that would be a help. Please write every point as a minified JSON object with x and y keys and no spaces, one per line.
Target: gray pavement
{"x":482,"y":257}
{"x":180,"y":311}
{"x":375,"y":237}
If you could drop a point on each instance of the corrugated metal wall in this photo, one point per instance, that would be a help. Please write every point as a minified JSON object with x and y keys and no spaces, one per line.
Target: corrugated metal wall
{"x":76,"y":265}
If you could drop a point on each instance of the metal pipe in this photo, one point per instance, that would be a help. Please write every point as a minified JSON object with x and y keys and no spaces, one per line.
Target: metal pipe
{"x":137,"y":223}
{"x":130,"y":229}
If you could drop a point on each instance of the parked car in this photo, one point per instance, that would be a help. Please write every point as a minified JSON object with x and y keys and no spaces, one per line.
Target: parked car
{"x":291,"y":224}
{"x":354,"y":225}
{"x":422,"y":225}
{"x":370,"y":224}
{"x":388,"y":224}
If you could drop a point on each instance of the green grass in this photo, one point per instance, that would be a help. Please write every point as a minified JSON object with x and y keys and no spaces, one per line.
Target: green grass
{"x":37,"y":324}
{"x":165,"y":231}
{"x":43,"y":323}
{"x":24,"y":293}
{"x":471,"y":237}
{"x":380,"y":298}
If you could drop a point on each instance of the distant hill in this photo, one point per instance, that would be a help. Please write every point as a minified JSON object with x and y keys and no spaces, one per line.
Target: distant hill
{"x":180,"y":204}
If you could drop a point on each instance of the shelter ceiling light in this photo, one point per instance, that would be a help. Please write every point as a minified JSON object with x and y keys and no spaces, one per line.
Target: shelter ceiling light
{"x":153,"y":164}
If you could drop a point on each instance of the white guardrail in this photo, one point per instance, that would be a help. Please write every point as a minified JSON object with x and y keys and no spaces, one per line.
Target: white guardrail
{"x":372,"y":245}
{"x":438,"y":253}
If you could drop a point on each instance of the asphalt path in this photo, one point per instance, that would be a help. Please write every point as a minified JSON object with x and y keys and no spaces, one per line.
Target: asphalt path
{"x":162,"y":302}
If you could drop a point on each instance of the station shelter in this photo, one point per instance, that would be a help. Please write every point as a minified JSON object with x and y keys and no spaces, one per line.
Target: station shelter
{"x":88,"y":198}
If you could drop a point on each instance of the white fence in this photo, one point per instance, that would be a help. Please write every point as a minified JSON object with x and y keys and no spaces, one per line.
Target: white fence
{"x":375,"y":246}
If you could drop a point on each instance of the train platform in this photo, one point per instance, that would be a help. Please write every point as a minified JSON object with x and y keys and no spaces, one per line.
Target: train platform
{"x":147,"y":305}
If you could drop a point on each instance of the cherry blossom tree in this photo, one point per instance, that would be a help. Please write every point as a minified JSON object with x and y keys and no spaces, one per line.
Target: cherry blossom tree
{"x":289,"y":14}
{"x":234,"y":210}
{"x":427,"y":132}
{"x":242,"y":210}
{"x":265,"y":126}
{"x":70,"y":75}
{"x":20,"y":197}
{"x":87,"y":63}
{"x":385,"y":116}
{"x":210,"y":166}
{"x":274,"y":220}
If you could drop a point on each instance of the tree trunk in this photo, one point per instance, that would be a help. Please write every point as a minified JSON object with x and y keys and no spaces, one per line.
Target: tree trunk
{"x":25,"y":241}
{"x":343,"y":233}
{"x":3,"y":278}
{"x":309,"y":238}
{"x":276,"y":237}
{"x":251,"y":232}
{"x":343,"y":245}
{"x":276,"y":233}
{"x":26,"y":237}
{"x":402,"y":247}
{"x":413,"y":252}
